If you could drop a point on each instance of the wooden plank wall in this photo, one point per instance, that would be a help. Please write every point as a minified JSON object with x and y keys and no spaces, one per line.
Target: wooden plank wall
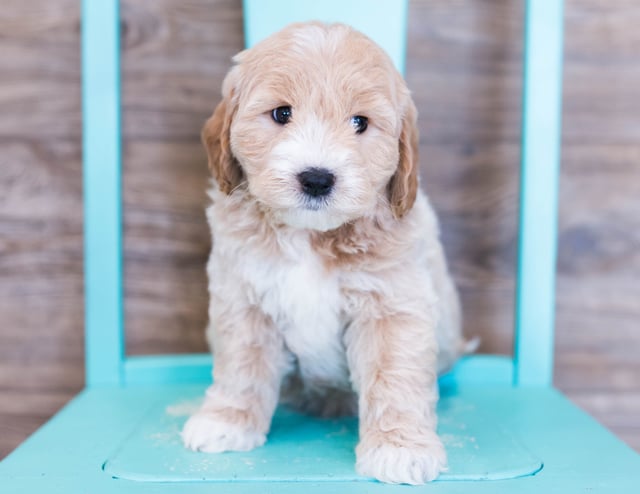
{"x":464,"y":63}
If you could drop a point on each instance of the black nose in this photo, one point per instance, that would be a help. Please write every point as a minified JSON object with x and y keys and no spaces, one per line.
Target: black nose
{"x":316,"y":182}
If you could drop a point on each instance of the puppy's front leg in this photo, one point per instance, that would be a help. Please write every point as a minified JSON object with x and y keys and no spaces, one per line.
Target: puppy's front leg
{"x":392,"y":357}
{"x":248,"y":364}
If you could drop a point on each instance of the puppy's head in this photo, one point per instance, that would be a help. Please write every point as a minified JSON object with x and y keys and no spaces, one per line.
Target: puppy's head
{"x":319,"y":124}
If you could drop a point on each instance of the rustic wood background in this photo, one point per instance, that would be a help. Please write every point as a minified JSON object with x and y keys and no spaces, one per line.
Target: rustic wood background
{"x":464,"y":65}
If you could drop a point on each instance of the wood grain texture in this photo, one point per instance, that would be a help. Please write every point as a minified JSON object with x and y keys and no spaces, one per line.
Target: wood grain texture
{"x":464,"y":68}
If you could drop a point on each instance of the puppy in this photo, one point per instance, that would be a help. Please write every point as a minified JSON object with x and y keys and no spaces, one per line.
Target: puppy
{"x":327,"y":280}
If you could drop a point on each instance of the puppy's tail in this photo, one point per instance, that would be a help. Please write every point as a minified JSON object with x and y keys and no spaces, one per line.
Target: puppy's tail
{"x":470,"y":346}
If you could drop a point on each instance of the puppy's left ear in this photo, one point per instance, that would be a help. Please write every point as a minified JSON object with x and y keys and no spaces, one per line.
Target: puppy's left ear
{"x":403,"y":186}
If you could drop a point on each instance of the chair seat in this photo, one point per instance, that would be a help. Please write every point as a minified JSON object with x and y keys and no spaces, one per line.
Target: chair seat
{"x":126,"y":440}
{"x":308,"y":449}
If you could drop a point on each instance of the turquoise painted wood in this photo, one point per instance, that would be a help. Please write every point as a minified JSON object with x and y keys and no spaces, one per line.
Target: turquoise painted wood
{"x":385,"y":21}
{"x":195,"y":368}
{"x":535,"y":291}
{"x":505,"y":428}
{"x":77,"y":449}
{"x":156,"y":369}
{"x":310,"y":449}
{"x":104,"y":321}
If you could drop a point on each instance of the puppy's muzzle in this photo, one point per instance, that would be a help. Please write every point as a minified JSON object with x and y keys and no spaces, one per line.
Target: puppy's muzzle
{"x":316,"y":182}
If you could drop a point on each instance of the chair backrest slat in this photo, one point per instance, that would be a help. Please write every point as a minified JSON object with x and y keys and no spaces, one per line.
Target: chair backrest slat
{"x":104,"y":330}
{"x":535,"y":291}
{"x":385,"y":21}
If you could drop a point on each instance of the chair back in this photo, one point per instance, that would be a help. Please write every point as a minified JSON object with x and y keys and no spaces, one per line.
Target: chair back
{"x":386,"y":22}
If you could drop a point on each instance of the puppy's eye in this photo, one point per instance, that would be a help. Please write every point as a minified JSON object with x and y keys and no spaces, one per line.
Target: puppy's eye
{"x":359,"y":123}
{"x":281,"y":115}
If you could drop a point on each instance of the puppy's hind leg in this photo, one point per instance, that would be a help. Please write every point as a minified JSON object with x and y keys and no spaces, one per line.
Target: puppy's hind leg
{"x":249,"y":361}
{"x":317,"y":399}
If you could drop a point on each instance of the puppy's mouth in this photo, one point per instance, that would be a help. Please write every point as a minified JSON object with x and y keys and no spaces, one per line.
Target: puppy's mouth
{"x":313,"y":213}
{"x":314,"y":203}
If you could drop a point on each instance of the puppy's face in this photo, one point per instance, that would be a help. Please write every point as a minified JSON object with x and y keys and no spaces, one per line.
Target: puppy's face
{"x":319,"y":124}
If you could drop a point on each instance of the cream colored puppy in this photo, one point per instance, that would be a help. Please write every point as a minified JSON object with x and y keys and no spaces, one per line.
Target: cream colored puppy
{"x":328,"y":282}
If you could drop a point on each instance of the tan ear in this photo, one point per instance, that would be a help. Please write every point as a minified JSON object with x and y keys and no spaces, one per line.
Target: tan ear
{"x":403,"y":186}
{"x":216,"y":138}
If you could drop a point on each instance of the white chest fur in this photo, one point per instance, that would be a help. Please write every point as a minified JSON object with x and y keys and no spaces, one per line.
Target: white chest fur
{"x":304,"y":301}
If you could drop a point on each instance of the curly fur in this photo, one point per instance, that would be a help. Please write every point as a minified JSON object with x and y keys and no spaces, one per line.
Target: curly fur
{"x":344,"y":307}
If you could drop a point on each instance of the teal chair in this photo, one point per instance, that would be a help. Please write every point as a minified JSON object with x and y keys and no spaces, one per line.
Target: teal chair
{"x":505,"y":428}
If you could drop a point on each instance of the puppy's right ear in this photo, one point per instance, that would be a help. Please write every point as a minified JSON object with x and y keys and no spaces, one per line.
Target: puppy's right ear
{"x":216,"y":136}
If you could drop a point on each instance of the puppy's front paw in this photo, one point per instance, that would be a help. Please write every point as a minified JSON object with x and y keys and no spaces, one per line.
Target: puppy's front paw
{"x":401,"y":462}
{"x":207,"y":431}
